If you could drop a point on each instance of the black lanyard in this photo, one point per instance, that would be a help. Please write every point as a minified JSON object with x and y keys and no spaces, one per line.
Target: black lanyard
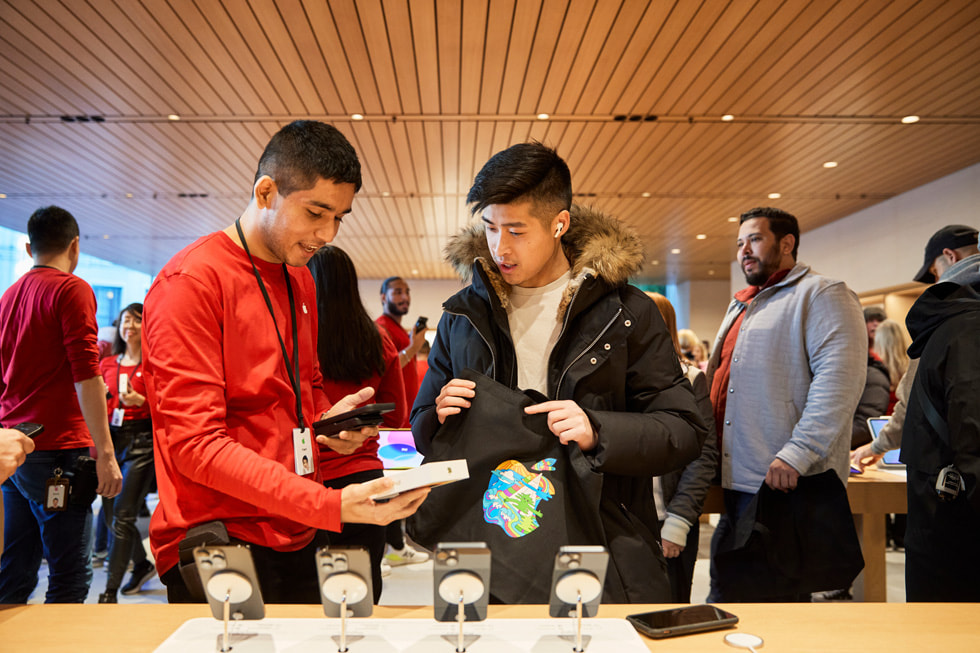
{"x":119,"y":369}
{"x":292,"y":369}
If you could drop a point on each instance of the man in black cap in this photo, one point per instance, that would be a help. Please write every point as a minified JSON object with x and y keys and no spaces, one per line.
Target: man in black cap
{"x":947,"y":249}
{"x":941,"y":435}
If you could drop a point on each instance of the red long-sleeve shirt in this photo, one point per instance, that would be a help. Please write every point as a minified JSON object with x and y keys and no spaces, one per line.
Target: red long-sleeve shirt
{"x":111,"y":369}
{"x":222,"y":406}
{"x":48,"y":339}
{"x":410,"y":373}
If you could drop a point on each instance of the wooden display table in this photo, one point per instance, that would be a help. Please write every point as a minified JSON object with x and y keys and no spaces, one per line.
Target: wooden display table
{"x":872,"y":495}
{"x":801,"y":628}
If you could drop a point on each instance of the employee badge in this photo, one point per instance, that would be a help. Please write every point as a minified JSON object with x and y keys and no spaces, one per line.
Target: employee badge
{"x":303,"y":451}
{"x":118,"y":415}
{"x":56,"y":492}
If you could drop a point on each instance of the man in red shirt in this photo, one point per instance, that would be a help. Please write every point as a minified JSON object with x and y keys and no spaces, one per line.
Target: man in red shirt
{"x":396,"y":298}
{"x":49,"y":374}
{"x":229,"y":346}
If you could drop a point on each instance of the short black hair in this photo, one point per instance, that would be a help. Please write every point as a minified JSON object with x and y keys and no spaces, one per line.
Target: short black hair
{"x":118,"y":344}
{"x":51,"y":229}
{"x":781,"y":223}
{"x":305,"y":151}
{"x":526,"y":171}
{"x":384,"y":284}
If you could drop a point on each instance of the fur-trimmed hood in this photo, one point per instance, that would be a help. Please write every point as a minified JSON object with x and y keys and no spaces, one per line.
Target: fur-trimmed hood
{"x":595,"y":244}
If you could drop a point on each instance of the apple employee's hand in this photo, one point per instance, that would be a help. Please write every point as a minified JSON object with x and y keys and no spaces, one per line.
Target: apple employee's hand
{"x":356,"y":505}
{"x":453,"y":398}
{"x":863,"y":457}
{"x":568,"y":421}
{"x":347,"y":442}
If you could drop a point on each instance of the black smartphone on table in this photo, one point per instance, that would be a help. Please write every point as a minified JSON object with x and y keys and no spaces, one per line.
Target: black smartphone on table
{"x":682,"y":621}
{"x":352,"y":420}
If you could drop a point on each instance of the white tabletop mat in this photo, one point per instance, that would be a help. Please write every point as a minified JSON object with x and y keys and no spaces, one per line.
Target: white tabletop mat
{"x":408,"y":635}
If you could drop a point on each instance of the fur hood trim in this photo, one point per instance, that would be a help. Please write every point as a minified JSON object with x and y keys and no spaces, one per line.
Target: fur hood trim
{"x":595,"y":244}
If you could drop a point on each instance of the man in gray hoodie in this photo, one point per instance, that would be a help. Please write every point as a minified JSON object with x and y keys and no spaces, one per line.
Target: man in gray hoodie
{"x":786,"y":373}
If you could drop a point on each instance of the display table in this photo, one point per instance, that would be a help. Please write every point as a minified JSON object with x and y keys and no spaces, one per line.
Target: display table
{"x":872,"y":495}
{"x":801,"y":628}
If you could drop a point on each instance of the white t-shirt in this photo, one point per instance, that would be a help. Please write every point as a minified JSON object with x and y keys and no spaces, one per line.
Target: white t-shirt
{"x":534,"y":328}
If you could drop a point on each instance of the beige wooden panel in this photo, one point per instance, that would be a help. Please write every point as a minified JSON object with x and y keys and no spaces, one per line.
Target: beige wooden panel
{"x":20,"y":92}
{"x":541,"y":57}
{"x":603,"y":17}
{"x":447,"y":42}
{"x":425,"y":38}
{"x":388,"y":175}
{"x":352,"y":38}
{"x":402,"y":158}
{"x":374,"y":145}
{"x":418,"y":144}
{"x":474,"y":39}
{"x":465,"y":166}
{"x":403,"y":49}
{"x":499,"y":24}
{"x":434,"y":160}
{"x":449,"y":159}
{"x":521,"y":39}
{"x":573,"y":28}
{"x":298,"y":47}
{"x":229,"y":64}
{"x":335,"y":59}
{"x":375,"y":33}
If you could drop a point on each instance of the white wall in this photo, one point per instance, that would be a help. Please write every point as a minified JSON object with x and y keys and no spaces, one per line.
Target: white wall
{"x":427,"y":298}
{"x":883,"y":245}
{"x":700,"y":306}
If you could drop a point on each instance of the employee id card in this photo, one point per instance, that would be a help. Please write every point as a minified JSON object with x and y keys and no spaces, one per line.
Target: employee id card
{"x":56,"y":493}
{"x":118,"y":415}
{"x":303,"y":451}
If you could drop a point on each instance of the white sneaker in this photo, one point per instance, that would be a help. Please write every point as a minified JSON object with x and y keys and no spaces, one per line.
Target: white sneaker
{"x":385,"y":568}
{"x":404,"y":556}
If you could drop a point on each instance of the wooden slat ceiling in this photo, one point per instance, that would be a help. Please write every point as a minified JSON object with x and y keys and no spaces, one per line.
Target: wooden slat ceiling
{"x":635,"y":90}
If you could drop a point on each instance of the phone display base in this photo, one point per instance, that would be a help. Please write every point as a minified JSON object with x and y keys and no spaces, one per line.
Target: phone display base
{"x":391,"y":635}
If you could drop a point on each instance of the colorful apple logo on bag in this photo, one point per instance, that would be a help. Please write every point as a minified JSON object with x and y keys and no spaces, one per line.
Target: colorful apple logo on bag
{"x":511,"y":501}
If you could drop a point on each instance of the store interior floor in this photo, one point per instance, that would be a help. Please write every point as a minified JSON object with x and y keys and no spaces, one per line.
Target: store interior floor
{"x":412,"y":584}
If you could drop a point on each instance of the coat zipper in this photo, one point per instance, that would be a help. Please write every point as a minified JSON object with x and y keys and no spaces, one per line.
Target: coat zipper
{"x":493,"y":358}
{"x":584,"y":351}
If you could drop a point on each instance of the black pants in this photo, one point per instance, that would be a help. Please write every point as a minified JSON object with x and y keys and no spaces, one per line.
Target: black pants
{"x":133,"y":442}
{"x":284,"y":576}
{"x":680,"y":570}
{"x":370,"y":536}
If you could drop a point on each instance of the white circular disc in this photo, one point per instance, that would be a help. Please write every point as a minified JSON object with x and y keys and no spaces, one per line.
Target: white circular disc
{"x":225,"y":583}
{"x":461,"y":582}
{"x":336,"y":585}
{"x":743,"y":640}
{"x":569,"y":586}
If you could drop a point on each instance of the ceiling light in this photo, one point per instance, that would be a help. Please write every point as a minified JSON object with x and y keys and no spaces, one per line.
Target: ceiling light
{"x":173,"y":116}
{"x":908,"y":120}
{"x":644,"y":194}
{"x":415,"y":272}
{"x":675,"y":251}
{"x":129,"y":196}
{"x":774,"y":196}
{"x":105,"y":236}
{"x":385,"y":193}
{"x":654,"y":262}
{"x":734,"y":218}
{"x":830,"y":164}
{"x":711,"y":272}
{"x":3,"y":196}
{"x":356,"y":116}
{"x":728,"y":117}
{"x":702,"y":236}
{"x":543,"y":116}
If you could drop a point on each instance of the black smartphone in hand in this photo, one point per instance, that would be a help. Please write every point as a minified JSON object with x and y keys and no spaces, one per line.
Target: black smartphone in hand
{"x":352,"y":420}
{"x":421,"y":324}
{"x":30,"y":429}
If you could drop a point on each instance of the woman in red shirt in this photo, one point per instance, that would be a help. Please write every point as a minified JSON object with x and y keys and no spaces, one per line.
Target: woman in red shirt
{"x":354,"y":353}
{"x":132,"y":437}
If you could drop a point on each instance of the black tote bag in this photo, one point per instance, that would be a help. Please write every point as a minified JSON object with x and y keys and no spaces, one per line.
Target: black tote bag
{"x":526,"y":496}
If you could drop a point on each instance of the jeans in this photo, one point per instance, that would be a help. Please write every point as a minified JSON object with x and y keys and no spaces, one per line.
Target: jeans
{"x":134,"y":452}
{"x":31,"y":532}
{"x":735,"y":504}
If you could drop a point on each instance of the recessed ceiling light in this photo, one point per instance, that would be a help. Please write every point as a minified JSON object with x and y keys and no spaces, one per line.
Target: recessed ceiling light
{"x":173,"y":116}
{"x":734,"y":218}
{"x":675,"y":251}
{"x":830,"y":164}
{"x":385,"y":193}
{"x":702,"y":236}
{"x":356,"y":116}
{"x":774,"y":196}
{"x":105,"y":236}
{"x":3,"y":196}
{"x":711,"y":272}
{"x":543,"y":116}
{"x":654,"y":262}
{"x":644,"y":194}
{"x":129,"y":196}
{"x":908,"y":120}
{"x":728,"y":117}
{"x":415,"y":271}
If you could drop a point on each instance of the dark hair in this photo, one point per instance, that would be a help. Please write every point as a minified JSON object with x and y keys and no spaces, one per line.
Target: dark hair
{"x":305,"y":151}
{"x":384,"y":284}
{"x":349,"y":345}
{"x":526,"y":171}
{"x":118,"y":344}
{"x":51,"y":229}
{"x":781,"y":223}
